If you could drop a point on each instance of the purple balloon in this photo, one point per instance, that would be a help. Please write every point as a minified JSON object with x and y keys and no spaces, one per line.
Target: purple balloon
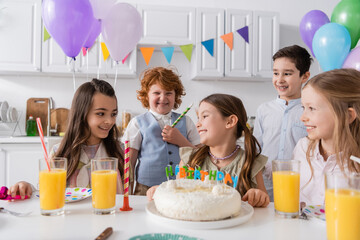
{"x":353,"y":59}
{"x":122,"y":29}
{"x":94,"y":33}
{"x":68,"y":22}
{"x":309,"y":24}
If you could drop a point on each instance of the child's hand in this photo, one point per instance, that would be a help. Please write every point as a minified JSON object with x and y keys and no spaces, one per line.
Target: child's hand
{"x":172,"y":135}
{"x":21,"y":188}
{"x":256,"y":197}
{"x":150,"y":192}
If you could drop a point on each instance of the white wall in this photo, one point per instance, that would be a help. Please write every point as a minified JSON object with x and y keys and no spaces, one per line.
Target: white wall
{"x":17,"y":89}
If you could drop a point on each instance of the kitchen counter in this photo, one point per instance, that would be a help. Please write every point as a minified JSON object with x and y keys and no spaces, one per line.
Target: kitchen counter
{"x":26,"y":139}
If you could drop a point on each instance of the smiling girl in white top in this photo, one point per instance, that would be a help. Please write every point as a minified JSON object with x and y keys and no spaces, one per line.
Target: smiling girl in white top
{"x":91,"y":133}
{"x":331,"y":103}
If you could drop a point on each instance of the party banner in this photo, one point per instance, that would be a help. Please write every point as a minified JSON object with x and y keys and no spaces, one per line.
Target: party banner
{"x":209,"y":46}
{"x":228,"y":39}
{"x":105,"y":51}
{"x":187,"y":50}
{"x":168,"y":53}
{"x":147,"y":53}
{"x":46,"y":35}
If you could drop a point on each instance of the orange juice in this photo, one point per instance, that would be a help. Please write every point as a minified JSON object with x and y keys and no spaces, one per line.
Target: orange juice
{"x":342,"y":212}
{"x":286,"y":191}
{"x":52,"y":189}
{"x":103,"y":188}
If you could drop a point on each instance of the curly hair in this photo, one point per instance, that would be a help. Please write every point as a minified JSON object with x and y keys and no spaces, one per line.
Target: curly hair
{"x":166,"y":78}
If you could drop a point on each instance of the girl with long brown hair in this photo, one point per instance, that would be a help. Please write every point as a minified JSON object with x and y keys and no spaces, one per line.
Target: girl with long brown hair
{"x":221,"y":122}
{"x":331,"y":102}
{"x":91,"y":133}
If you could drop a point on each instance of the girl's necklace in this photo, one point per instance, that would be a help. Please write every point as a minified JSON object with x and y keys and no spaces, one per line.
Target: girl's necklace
{"x":216,"y":159}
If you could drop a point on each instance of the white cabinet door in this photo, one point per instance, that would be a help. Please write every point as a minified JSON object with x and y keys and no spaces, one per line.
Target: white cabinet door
{"x":238,"y":62}
{"x":209,"y":25}
{"x":167,"y":25}
{"x":22,"y":162}
{"x":2,"y":167}
{"x":110,"y":67}
{"x":54,"y":59}
{"x":266,"y":42}
{"x":20,"y":31}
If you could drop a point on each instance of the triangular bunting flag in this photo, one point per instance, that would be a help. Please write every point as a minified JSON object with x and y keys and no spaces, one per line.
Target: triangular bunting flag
{"x":244,"y":32}
{"x":187,"y":50}
{"x":123,"y":61}
{"x":46,"y":34}
{"x":168,"y":53}
{"x":147,"y":53}
{"x":228,"y":39}
{"x":105,"y":51}
{"x":209,"y":45}
{"x":84,"y":51}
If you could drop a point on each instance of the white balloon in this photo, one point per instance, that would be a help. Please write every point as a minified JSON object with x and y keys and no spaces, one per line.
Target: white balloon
{"x":101,"y":7}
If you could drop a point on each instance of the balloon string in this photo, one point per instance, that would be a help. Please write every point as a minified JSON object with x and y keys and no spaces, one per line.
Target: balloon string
{"x":117,"y":64}
{"x":87,"y":64}
{"x":73,"y":72}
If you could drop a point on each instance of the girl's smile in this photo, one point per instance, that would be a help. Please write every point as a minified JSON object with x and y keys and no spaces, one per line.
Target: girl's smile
{"x":101,"y":117}
{"x":317,"y":116}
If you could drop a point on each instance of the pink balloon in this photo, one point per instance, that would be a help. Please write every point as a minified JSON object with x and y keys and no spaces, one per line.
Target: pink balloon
{"x":122,"y":29}
{"x":353,"y":59}
{"x":101,"y":7}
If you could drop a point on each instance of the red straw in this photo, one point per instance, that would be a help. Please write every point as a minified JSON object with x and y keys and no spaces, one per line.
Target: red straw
{"x":41,"y":134}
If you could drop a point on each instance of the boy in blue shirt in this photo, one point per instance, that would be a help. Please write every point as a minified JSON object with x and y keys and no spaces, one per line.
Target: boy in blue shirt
{"x":277,"y":125}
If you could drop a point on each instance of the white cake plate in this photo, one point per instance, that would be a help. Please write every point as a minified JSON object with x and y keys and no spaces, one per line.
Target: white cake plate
{"x":245,"y":214}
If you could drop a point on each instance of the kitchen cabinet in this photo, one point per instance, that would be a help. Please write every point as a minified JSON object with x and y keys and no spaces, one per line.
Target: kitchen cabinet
{"x":20,"y":162}
{"x":20,"y":31}
{"x":19,"y":159}
{"x":167,"y":25}
{"x":247,"y":61}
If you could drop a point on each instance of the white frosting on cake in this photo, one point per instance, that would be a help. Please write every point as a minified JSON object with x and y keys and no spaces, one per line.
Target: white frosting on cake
{"x":195,"y":200}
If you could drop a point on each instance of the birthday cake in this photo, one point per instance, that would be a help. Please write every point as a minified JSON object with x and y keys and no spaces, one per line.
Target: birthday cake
{"x":196,"y":200}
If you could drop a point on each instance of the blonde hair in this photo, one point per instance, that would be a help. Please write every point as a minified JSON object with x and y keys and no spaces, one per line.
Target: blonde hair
{"x":166,"y":78}
{"x":229,"y":105}
{"x":341,"y":88}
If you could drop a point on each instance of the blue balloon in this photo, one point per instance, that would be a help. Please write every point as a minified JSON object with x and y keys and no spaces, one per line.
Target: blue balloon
{"x":331,"y":44}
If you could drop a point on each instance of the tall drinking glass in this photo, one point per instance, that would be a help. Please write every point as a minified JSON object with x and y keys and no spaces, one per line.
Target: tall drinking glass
{"x":52,"y":186}
{"x":103,"y":183}
{"x":342,"y":206}
{"x":286,"y":185}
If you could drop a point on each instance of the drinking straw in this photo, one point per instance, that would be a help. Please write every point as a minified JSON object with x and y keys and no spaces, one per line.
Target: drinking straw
{"x":126,"y":206}
{"x":356,"y":159}
{"x":41,"y":134}
{"x":181,"y":116}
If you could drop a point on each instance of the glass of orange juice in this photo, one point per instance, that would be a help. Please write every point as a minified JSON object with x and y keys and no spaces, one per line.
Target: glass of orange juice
{"x":286,"y":185}
{"x":103,"y":183}
{"x":52,"y":186}
{"x":342,"y":206}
